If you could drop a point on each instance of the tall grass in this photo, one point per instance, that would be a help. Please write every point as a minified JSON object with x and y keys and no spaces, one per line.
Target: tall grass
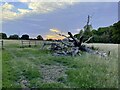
{"x":0,"y":68}
{"x":85,"y":71}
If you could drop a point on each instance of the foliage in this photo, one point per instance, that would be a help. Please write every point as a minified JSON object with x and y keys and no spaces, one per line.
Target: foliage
{"x":3,"y":36}
{"x":49,"y":39}
{"x":25,"y":37}
{"x":109,"y":34}
{"x":116,"y":32}
{"x":87,"y":30}
{"x":15,"y":36}
{"x":39,"y":37}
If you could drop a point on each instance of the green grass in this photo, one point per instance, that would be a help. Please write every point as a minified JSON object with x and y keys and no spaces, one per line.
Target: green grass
{"x":83,"y":71}
{"x":0,"y":68}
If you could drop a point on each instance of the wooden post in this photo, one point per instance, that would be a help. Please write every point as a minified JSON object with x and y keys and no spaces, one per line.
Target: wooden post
{"x":29,"y":44}
{"x":35,"y":43}
{"x":22,"y":43}
{"x":2,"y":43}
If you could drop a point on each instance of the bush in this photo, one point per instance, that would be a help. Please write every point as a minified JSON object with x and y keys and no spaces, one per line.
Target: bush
{"x":3,"y":36}
{"x":14,"y":36}
{"x":39,"y":37}
{"x":25,"y":37}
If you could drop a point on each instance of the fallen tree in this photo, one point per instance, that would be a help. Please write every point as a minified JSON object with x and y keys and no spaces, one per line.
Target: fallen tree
{"x":73,"y":46}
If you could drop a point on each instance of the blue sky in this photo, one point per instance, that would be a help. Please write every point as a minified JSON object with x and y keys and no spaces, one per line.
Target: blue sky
{"x":33,"y":19}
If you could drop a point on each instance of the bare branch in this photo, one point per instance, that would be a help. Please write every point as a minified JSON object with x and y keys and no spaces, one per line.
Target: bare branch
{"x":88,"y":39}
{"x":71,"y":36}
{"x":63,"y":35}
{"x":66,"y":44}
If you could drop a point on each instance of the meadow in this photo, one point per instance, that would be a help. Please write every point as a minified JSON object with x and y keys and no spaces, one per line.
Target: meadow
{"x":31,"y":67}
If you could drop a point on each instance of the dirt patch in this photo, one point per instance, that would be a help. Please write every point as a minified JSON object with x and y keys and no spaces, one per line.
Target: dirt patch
{"x":23,"y":81}
{"x":53,"y":73}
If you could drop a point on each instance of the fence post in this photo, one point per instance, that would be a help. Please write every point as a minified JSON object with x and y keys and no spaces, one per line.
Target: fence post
{"x":29,"y":44}
{"x":22,"y":43}
{"x":2,"y":43}
{"x":35,"y":43}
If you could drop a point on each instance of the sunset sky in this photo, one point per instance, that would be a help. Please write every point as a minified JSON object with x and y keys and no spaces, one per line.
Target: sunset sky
{"x":43,"y":18}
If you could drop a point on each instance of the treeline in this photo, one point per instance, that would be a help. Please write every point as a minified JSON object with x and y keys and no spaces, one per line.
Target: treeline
{"x":109,"y":34}
{"x":17,"y":37}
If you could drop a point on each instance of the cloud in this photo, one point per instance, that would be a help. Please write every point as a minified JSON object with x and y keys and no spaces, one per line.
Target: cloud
{"x":61,"y":0}
{"x":70,"y":1}
{"x":78,"y":30}
{"x":7,"y":6}
{"x":9,"y":11}
{"x":46,"y":7}
{"x":23,"y":11}
{"x":54,"y":35}
{"x":24,"y":0}
{"x":54,"y":30}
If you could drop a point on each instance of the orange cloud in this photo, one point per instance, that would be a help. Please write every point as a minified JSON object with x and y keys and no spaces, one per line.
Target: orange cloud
{"x":53,"y":35}
{"x":54,"y":30}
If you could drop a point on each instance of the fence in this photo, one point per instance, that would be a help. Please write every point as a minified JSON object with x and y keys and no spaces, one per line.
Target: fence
{"x":28,"y":43}
{"x":1,"y":44}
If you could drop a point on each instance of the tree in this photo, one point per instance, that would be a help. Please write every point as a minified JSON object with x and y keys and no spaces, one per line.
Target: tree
{"x":49,"y":39}
{"x":116,"y":32}
{"x":15,"y":36}
{"x":88,"y":28}
{"x":3,"y":36}
{"x":79,"y":34}
{"x":94,"y":32}
{"x":25,"y":37}
{"x":39,"y":37}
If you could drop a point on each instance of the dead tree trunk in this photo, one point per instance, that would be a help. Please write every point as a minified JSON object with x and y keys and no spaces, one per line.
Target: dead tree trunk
{"x":77,"y":43}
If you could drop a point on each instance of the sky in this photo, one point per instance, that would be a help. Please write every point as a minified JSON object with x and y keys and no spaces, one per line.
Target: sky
{"x":34,"y":18}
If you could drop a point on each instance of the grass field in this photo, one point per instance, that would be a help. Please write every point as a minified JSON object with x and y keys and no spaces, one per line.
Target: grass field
{"x":35,"y":68}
